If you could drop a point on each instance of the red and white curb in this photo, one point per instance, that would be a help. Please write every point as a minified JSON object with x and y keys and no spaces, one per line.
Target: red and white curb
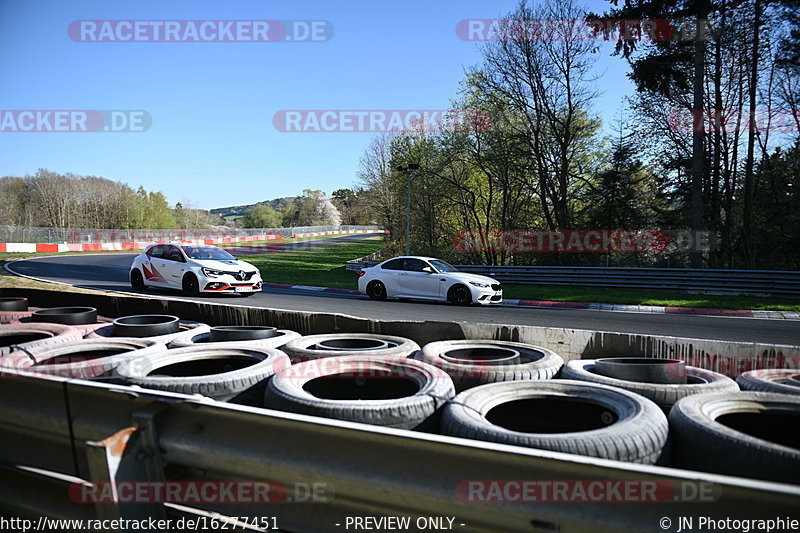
{"x":656,"y":309}
{"x":28,"y":247}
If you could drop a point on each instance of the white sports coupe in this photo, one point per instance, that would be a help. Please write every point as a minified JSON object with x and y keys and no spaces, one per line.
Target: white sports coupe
{"x":194,"y":270}
{"x":427,"y":278}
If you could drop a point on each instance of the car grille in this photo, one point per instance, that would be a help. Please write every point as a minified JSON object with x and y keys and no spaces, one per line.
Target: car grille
{"x":495,"y":286}
{"x":238,"y":275}
{"x":496,"y":298}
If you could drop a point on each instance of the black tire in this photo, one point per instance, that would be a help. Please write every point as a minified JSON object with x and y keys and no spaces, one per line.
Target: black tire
{"x":203,"y":339}
{"x":83,"y":359}
{"x":25,"y":337}
{"x":401,"y":393}
{"x":70,"y":316}
{"x":341,"y":344}
{"x":13,"y":304}
{"x":186,"y":329}
{"x":145,"y":325}
{"x":664,"y":394}
{"x":137,"y":281}
{"x":459,"y":295}
{"x":708,"y":434}
{"x":233,"y":382}
{"x":779,"y":380}
{"x":376,"y":290}
{"x":594,"y":420}
{"x":190,"y":284}
{"x":475,"y":362}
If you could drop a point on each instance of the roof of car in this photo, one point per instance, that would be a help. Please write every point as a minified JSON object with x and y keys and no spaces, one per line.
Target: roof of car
{"x":414,"y":257}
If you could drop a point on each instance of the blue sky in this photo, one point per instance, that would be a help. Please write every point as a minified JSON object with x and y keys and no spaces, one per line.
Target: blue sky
{"x":212,"y":142}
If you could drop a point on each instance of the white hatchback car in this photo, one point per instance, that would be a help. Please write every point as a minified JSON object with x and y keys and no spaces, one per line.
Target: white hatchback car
{"x":427,"y":278}
{"x":193,"y":269}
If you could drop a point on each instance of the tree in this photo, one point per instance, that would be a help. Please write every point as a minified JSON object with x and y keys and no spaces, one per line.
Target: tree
{"x":261,"y":216}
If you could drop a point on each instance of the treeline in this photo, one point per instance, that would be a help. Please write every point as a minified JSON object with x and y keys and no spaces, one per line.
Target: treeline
{"x":708,"y":143}
{"x":53,"y":200}
{"x":312,"y":208}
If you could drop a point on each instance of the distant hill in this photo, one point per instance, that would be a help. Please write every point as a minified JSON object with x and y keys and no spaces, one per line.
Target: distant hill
{"x":238,"y":211}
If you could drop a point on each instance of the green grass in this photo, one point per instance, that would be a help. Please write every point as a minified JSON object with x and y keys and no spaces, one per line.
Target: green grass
{"x":560,"y":293}
{"x":319,"y":266}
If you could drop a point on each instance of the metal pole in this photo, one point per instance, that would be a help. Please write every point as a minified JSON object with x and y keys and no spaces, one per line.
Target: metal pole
{"x":408,"y":214}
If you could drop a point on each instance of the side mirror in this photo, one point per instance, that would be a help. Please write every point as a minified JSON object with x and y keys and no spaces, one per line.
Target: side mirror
{"x":429,"y":270}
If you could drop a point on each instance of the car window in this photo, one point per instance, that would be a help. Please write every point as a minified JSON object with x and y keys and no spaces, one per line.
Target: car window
{"x":442,"y":266}
{"x":394,"y":264}
{"x":207,"y":253}
{"x":156,"y":251}
{"x":173,"y":254}
{"x":415,"y":265}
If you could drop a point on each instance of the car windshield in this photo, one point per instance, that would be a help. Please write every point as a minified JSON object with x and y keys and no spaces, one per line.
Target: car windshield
{"x":207,"y":253}
{"x":441,"y":266}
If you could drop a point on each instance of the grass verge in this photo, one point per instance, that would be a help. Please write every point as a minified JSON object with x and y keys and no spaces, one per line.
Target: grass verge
{"x":319,"y":266}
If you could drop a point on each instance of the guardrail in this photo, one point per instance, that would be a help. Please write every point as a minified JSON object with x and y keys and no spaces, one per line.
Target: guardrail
{"x":771,"y":282}
{"x":69,"y":439}
{"x":33,"y":234}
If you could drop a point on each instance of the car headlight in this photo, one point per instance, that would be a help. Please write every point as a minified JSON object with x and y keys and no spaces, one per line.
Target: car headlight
{"x":479,"y":284}
{"x":211,"y":273}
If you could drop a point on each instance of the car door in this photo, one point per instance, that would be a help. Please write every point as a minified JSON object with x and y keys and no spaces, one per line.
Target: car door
{"x":152,"y":266}
{"x":389,"y":275}
{"x":415,"y":282}
{"x":173,"y":266}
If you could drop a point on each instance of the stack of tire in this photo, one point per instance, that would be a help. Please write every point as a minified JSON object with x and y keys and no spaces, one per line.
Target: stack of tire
{"x":648,"y":411}
{"x":714,"y":426}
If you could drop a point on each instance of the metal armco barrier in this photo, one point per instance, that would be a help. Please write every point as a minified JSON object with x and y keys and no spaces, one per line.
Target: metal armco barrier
{"x":56,"y":432}
{"x":775,"y":282}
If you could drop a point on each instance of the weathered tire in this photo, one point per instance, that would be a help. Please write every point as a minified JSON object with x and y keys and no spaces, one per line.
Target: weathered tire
{"x":10,"y":317}
{"x":342,"y":344}
{"x":83,"y":359}
{"x":229,"y":380}
{"x":186,"y":329}
{"x":664,"y":394}
{"x":779,"y":380}
{"x":281,"y":337}
{"x":573,"y":417}
{"x":750,"y":434}
{"x":393,"y":392}
{"x":13,"y":304}
{"x":69,"y":316}
{"x":475,"y":362}
{"x":30,"y":336}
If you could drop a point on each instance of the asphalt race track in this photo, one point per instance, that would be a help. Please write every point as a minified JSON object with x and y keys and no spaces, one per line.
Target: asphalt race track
{"x":110,"y":272}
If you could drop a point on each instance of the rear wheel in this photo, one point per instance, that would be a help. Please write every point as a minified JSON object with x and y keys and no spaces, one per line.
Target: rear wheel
{"x":459,"y":295}
{"x":137,"y":281}
{"x":191,"y":287}
{"x":376,"y":290}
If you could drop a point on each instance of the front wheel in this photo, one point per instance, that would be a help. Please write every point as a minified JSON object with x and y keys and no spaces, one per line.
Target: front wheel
{"x":376,"y":290}
{"x":191,"y":287}
{"x":459,"y":295}
{"x":137,"y":282}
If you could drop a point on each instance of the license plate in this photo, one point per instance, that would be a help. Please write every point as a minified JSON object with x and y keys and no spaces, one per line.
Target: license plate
{"x":243,"y":289}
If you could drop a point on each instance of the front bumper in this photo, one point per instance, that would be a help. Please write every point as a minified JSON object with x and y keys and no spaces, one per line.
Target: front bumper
{"x":487,"y":296}
{"x":229,"y":284}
